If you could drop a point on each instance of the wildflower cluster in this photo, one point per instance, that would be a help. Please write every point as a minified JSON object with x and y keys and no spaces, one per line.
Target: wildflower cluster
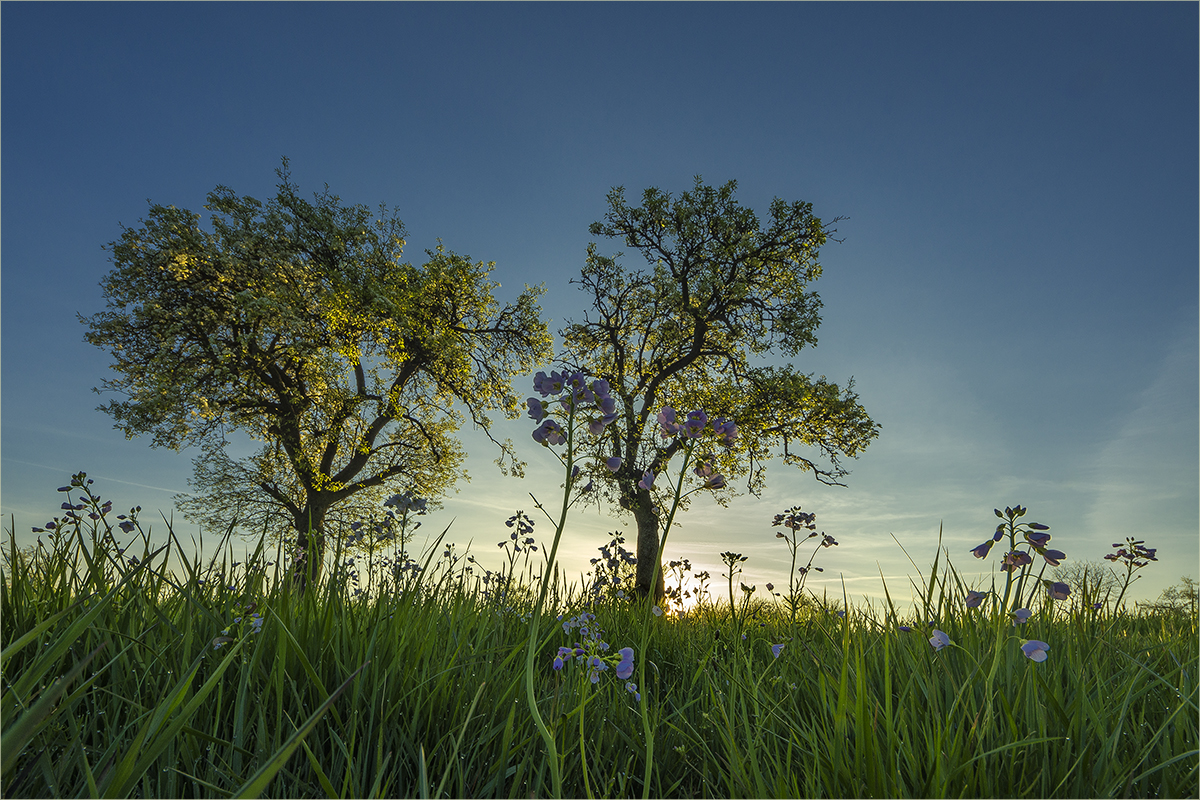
{"x":519,"y":544}
{"x":1034,"y":536}
{"x":576,"y":394}
{"x":676,"y":578}
{"x":381,"y":531}
{"x":1134,"y":555}
{"x":1017,"y":562}
{"x":385,"y":530}
{"x":693,"y":427}
{"x":592,"y":651}
{"x":613,"y":568}
{"x":733,"y":561}
{"x":796,"y":522}
{"x":90,"y":508}
{"x":349,"y":571}
{"x":251,"y":625}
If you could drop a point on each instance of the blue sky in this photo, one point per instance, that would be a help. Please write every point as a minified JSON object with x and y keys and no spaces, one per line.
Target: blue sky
{"x":1016,"y":296}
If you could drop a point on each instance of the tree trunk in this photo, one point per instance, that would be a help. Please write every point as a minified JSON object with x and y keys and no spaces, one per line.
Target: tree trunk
{"x":310,"y":540}
{"x":646,"y":516}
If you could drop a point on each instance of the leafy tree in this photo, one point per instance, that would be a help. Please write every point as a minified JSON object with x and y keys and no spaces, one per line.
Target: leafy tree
{"x":1181,"y":598}
{"x":297,"y":324}
{"x":1093,"y":578}
{"x":719,"y":296}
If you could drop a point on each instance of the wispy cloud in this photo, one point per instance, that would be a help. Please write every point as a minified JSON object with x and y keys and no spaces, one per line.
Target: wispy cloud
{"x":97,"y":476}
{"x":1145,"y":475}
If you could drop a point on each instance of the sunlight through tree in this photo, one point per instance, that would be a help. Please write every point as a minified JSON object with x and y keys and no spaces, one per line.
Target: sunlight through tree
{"x":297,"y":324}
{"x":720,"y":295}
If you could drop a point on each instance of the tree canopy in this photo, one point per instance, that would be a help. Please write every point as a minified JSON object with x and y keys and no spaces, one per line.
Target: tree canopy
{"x":701,"y":326}
{"x":298,"y":324}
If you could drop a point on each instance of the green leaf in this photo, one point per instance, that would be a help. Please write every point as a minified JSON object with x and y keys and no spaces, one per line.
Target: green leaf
{"x":23,"y":686}
{"x":15,"y":738}
{"x":160,"y":734}
{"x":260,"y":779}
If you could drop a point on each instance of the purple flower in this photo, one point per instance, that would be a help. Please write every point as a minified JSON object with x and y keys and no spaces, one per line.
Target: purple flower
{"x":940,"y":640}
{"x":1038,"y":539}
{"x":906,"y":628}
{"x":666,"y":420}
{"x":596,"y":427}
{"x":1058,"y":590}
{"x":1097,"y":605}
{"x":1053,"y":557}
{"x":613,"y":463}
{"x":625,"y":668}
{"x":647,"y":480}
{"x":1035,"y":650}
{"x":600,"y":388}
{"x":1021,"y":616}
{"x":547,"y":386}
{"x":725,"y":428}
{"x":126,"y":526}
{"x":776,"y":649}
{"x":548,"y":433}
{"x":402,"y":502}
{"x":696,"y":421}
{"x":715,"y":482}
{"x":982,"y":550}
{"x":974,"y":598}
{"x":1014,"y":559}
{"x":632,"y":688}
{"x":537,"y":409}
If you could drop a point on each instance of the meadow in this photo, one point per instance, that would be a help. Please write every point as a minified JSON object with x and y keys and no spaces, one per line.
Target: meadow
{"x":153,"y":672}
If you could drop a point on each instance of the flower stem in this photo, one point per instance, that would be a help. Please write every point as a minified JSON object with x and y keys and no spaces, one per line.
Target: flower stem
{"x":582,"y":747}
{"x":535,"y":622}
{"x":647,"y":728}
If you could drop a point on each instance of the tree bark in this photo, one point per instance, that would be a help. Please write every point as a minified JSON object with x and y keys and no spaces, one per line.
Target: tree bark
{"x":646,"y":516}
{"x":310,"y":540}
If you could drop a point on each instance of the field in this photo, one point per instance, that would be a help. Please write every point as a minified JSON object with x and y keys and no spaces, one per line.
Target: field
{"x":156,"y":673}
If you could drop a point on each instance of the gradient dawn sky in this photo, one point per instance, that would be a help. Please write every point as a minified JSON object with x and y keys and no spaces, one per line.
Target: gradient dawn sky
{"x":1016,"y":296}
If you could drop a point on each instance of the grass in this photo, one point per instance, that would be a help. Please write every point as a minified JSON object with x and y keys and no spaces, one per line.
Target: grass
{"x":415,"y":687}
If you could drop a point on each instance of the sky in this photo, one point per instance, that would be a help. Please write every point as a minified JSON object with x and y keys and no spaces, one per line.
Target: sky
{"x":1015,"y":297}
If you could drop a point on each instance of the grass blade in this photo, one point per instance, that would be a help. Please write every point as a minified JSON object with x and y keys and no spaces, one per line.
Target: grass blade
{"x":260,"y":779}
